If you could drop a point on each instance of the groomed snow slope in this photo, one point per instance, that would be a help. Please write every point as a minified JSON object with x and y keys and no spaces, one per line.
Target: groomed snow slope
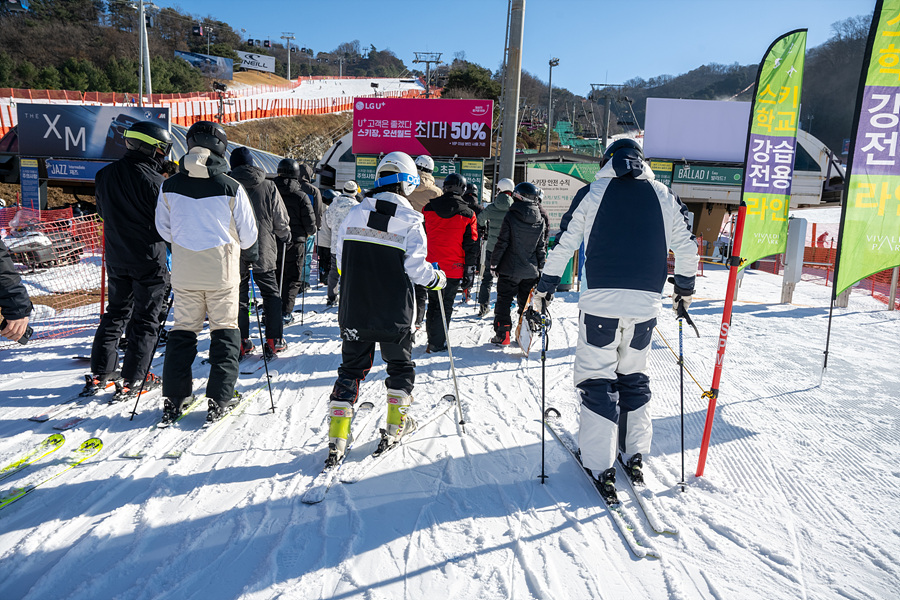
{"x":799,"y":499}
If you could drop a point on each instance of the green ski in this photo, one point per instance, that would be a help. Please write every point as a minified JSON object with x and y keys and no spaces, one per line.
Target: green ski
{"x":49,"y":445}
{"x":85,"y":451}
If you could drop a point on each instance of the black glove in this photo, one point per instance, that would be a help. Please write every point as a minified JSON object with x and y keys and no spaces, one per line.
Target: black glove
{"x":286,"y":240}
{"x":251,"y":254}
{"x":681,"y":300}
{"x":467,"y":278}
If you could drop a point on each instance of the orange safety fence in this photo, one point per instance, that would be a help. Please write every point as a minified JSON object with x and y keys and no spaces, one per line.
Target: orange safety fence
{"x":60,"y":263}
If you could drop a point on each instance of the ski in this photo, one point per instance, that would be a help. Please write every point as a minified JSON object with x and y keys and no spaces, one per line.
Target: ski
{"x":647,"y":503}
{"x":66,"y":425}
{"x":74,"y":402}
{"x":315,"y":493}
{"x":85,"y":451}
{"x":159,"y":432}
{"x":45,"y":447}
{"x":208,"y":429}
{"x":248,"y":369}
{"x":358,"y":470}
{"x":636,"y":541}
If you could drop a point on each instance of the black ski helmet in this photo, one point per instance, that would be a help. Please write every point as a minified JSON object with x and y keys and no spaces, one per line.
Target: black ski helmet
{"x":455,"y":184}
{"x":471,"y":188}
{"x":328,"y":196}
{"x":627,"y":144}
{"x":148,"y":138}
{"x":289,"y":168}
{"x":209,"y":135}
{"x":527,"y":192}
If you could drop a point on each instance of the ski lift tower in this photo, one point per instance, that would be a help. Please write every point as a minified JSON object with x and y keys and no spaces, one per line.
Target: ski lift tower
{"x":288,"y":35}
{"x":596,"y":94}
{"x":428,"y":58}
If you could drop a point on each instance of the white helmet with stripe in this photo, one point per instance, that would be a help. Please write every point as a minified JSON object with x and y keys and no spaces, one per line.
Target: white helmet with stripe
{"x":397,"y":167}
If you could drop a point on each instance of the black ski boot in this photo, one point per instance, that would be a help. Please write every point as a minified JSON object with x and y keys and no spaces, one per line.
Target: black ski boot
{"x":606,"y":485}
{"x":97,"y":383}
{"x":128,"y":390}
{"x":216,"y":410}
{"x":388,"y":441}
{"x":483,"y":309}
{"x":172,"y":410}
{"x":634,"y":469}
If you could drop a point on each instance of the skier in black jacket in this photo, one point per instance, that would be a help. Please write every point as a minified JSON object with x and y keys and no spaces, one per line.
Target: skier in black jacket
{"x":307,"y":175}
{"x":274,"y":231}
{"x":137,"y":277}
{"x":518,"y":257}
{"x":303,"y":224}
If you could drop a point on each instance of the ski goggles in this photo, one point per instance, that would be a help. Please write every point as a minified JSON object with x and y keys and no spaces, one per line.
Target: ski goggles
{"x":163,"y":147}
{"x":397,"y":178}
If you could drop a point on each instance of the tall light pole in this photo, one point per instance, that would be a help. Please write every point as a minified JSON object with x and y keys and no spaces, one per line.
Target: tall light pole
{"x":513,"y":78}
{"x":144,"y":59}
{"x":554,"y":62}
{"x":288,"y":35}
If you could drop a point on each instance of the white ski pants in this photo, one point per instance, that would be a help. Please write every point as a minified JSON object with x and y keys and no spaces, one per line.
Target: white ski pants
{"x":610,"y":365}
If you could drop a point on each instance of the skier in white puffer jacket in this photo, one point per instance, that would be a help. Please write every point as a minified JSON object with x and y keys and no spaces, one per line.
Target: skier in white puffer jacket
{"x":331,"y":223}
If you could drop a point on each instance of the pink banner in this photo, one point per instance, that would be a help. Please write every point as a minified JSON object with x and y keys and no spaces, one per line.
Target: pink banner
{"x":436,"y":127}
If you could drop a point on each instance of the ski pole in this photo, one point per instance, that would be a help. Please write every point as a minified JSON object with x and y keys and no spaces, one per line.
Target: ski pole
{"x":281,"y":275}
{"x":543,"y":475}
{"x":681,"y":369}
{"x":262,"y":340}
{"x":440,"y":294}
{"x":155,"y":348}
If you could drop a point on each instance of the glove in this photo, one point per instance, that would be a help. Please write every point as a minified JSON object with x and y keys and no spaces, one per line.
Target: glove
{"x":540,"y":301}
{"x":251,"y":254}
{"x":467,"y":278}
{"x":438,"y":282}
{"x":681,"y":299}
{"x":286,"y":240}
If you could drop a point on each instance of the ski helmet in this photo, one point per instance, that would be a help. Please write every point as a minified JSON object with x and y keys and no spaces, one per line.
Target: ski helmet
{"x":148,"y":138}
{"x":425,"y":163}
{"x":527,"y":192}
{"x":397,"y":167}
{"x":455,"y":184}
{"x":328,"y":196}
{"x":506,"y":185}
{"x":630,"y":147}
{"x":350,"y":187}
{"x":471,"y":189}
{"x":207,"y":134}
{"x":289,"y":168}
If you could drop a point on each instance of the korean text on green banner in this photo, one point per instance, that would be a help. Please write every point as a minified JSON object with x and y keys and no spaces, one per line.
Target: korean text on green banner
{"x":772,"y":146}
{"x":870,"y":228}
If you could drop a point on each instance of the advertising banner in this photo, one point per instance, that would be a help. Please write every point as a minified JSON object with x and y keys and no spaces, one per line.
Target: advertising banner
{"x":870,"y":226}
{"x":559,"y":190}
{"x":704,"y":175}
{"x":257,"y":62}
{"x":72,"y":131}
{"x":30,"y":182}
{"x":472,"y":170}
{"x":436,"y":127}
{"x":217,"y":67}
{"x":771,"y":148}
{"x":74,"y":170}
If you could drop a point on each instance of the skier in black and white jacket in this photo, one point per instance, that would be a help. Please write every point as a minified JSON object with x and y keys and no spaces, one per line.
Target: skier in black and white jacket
{"x":628,"y":222}
{"x":381,"y":253}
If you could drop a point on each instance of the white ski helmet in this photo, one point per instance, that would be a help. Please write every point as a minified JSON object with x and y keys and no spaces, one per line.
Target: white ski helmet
{"x":506,"y":185}
{"x":425,"y":163}
{"x":397,"y":167}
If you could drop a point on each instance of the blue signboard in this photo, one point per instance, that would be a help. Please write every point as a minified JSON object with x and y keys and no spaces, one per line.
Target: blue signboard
{"x":31,"y":184}
{"x":73,"y":170}
{"x":72,"y":131}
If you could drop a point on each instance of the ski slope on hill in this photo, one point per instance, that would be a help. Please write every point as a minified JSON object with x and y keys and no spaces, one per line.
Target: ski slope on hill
{"x":799,"y":499}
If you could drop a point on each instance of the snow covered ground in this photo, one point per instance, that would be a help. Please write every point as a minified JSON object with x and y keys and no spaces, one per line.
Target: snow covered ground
{"x":799,"y":499}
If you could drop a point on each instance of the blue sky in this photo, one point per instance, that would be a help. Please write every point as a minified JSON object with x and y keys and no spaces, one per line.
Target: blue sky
{"x":596,"y":41}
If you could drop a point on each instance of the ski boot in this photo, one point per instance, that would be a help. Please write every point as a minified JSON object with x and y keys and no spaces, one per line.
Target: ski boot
{"x":128,"y":390}
{"x":435,"y":349}
{"x":274,"y":346}
{"x":483,"y":310}
{"x":172,"y":410}
{"x":399,"y":423}
{"x":634,"y":469}
{"x":215,"y":410}
{"x":288,"y":318}
{"x":331,"y":302}
{"x":606,"y":485}
{"x":501,"y":336}
{"x":246,"y":348}
{"x":96,"y":383}
{"x":339,"y":436}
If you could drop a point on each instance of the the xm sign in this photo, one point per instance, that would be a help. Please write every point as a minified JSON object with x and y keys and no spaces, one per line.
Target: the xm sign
{"x":70,"y":139}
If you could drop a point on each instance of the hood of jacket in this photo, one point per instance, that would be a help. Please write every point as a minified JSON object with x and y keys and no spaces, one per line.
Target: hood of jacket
{"x":608,"y":171}
{"x":525,"y":212}
{"x":449,"y":205}
{"x":426,"y":178}
{"x":201,"y":163}
{"x":249,"y":175}
{"x":306,"y":172}
{"x":503,"y":200}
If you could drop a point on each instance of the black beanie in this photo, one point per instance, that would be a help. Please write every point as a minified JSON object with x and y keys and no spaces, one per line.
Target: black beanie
{"x":241,"y":156}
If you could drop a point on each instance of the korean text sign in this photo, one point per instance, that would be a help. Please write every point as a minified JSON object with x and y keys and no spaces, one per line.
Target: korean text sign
{"x":436,"y":127}
{"x":772,"y":146}
{"x":870,"y":237}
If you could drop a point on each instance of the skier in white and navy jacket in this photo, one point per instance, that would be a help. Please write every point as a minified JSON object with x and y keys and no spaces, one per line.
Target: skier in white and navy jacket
{"x":381,"y":252}
{"x":628,"y":222}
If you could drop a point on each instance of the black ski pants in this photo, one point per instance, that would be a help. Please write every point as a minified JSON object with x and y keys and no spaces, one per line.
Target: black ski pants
{"x":357,"y":358}
{"x":433,"y":325}
{"x":421,"y":303}
{"x":507,"y":289}
{"x":267,"y":282}
{"x":181,"y":350}
{"x":135,"y":294}
{"x":293,"y":270}
{"x":487,"y":280}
